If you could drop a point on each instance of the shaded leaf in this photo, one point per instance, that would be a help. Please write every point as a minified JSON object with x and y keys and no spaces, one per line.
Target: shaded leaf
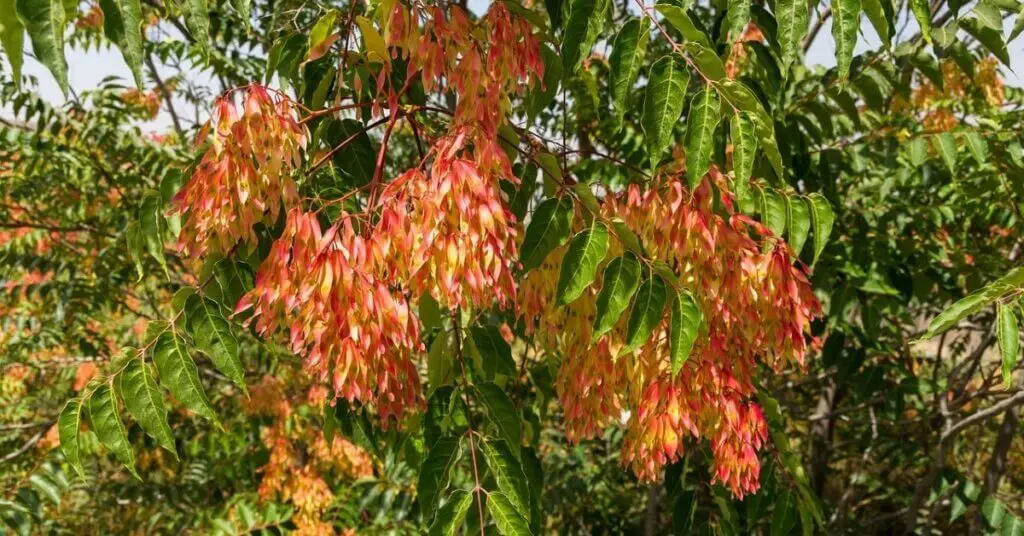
{"x":122,"y":24}
{"x":744,"y":147}
{"x":12,"y":37}
{"x":153,"y":226}
{"x":494,"y":351}
{"x":435,"y":473}
{"x":845,"y":23}
{"x":798,"y":222}
{"x":502,"y":413}
{"x":945,"y":145}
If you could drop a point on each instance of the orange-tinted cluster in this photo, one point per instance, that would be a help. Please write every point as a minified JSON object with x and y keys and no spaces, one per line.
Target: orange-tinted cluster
{"x":245,"y":175}
{"x":450,"y":234}
{"x":298,"y":465}
{"x":757,"y":307}
{"x":941,"y":107}
{"x":354,"y":330}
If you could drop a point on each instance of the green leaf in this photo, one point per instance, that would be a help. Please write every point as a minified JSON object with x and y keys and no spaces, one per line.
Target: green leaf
{"x":1008,"y":335}
{"x":122,"y":24}
{"x":706,"y":61}
{"x":822,"y":219}
{"x":744,"y":147}
{"x":430,"y":312}
{"x":626,"y":236}
{"x":439,"y":362}
{"x":978,"y":147}
{"x":628,"y":51}
{"x":586,"y":20}
{"x":989,"y":16}
{"x":585,"y":253}
{"x":945,"y":145}
{"x":495,"y":353}
{"x":974,"y":302}
{"x":621,"y":279}
{"x":680,"y":20}
{"x":991,"y":39}
{"x":646,"y":314}
{"x":774,"y":212}
{"x":452,"y":512}
{"x":435,"y":474}
{"x":685,"y":322}
{"x":742,"y":98}
{"x":923,"y":14}
{"x":508,"y":474}
{"x":180,"y":375}
{"x":1018,"y":25}
{"x":136,"y":243}
{"x":793,"y":16}
{"x":845,"y":23}
{"x":784,"y":518}
{"x":231,"y":279}
{"x":154,"y":226}
{"x":105,"y":420}
{"x":12,"y":37}
{"x":145,"y":402}
{"x":68,"y":424}
{"x":880,"y":13}
{"x":542,"y":96}
{"x":214,"y":337}
{"x":197,"y":21}
{"x":663,"y":103}
{"x":244,"y":9}
{"x":548,"y":229}
{"x":45,"y":21}
{"x":357,"y":158}
{"x":798,"y":221}
{"x":502,"y":413}
{"x":705,"y":112}
{"x":506,"y":518}
{"x":739,"y":17}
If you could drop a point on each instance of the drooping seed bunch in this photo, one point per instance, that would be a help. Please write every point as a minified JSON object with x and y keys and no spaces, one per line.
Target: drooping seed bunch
{"x":354,"y":331}
{"x":757,"y":307}
{"x":244,"y":177}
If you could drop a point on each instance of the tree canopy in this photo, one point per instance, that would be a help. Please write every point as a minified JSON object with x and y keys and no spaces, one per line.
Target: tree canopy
{"x":560,"y":267}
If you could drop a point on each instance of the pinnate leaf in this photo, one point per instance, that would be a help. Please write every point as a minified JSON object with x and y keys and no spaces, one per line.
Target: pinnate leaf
{"x":620,"y":281}
{"x":502,"y":413}
{"x":178,"y":372}
{"x":68,"y":424}
{"x":1008,"y":335}
{"x":705,"y":113}
{"x":508,"y":520}
{"x":647,"y":311}
{"x":452,"y":512}
{"x":145,"y":402}
{"x":685,"y":323}
{"x":105,"y":420}
{"x":586,"y":251}
{"x":663,"y":103}
{"x":548,"y":229}
{"x":628,"y":51}
{"x":435,"y":473}
{"x":822,"y":218}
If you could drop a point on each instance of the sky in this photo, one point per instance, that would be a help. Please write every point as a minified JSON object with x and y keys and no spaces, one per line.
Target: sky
{"x":87,"y":69}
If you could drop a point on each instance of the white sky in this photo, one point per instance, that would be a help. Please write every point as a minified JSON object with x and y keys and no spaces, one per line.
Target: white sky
{"x":86,"y":69}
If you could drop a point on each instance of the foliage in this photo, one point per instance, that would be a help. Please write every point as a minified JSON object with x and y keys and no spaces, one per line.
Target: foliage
{"x":411,"y":278}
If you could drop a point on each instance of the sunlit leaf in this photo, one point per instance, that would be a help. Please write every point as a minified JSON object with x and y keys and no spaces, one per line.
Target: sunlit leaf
{"x":705,"y":113}
{"x":663,"y":103}
{"x":586,"y":251}
{"x":628,"y":51}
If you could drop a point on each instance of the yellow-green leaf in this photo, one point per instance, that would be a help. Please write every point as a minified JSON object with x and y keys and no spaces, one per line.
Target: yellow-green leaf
{"x":1008,"y":335}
